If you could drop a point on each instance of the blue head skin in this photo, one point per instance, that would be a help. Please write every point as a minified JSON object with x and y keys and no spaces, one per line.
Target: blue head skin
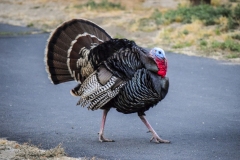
{"x":158,"y":53}
{"x":159,"y":57}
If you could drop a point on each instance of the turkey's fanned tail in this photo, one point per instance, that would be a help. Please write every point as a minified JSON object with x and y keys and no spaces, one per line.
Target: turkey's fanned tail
{"x":68,"y":47}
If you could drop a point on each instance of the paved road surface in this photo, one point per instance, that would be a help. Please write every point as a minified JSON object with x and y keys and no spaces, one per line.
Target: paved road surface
{"x":200,"y":114}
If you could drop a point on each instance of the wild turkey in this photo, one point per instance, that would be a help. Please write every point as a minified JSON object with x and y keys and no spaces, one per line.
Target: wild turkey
{"x":111,"y":73}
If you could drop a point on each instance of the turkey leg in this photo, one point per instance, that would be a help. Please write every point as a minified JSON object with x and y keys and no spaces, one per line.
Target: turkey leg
{"x":101,"y":138}
{"x":155,"y":136}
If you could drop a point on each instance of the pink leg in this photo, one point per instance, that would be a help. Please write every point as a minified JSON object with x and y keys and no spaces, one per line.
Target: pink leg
{"x":155,"y":136}
{"x":101,"y":138}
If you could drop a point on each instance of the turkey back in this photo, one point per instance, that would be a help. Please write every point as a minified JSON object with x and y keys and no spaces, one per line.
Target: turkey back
{"x":67,"y":49}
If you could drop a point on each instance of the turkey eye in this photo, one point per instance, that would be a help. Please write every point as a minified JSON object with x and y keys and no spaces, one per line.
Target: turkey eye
{"x":159,"y":52}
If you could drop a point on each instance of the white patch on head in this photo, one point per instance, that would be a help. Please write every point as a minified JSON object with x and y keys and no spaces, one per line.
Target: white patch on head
{"x":158,"y":52}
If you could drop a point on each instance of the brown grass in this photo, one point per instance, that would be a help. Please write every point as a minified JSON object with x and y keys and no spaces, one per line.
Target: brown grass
{"x":15,"y":151}
{"x":132,"y":22}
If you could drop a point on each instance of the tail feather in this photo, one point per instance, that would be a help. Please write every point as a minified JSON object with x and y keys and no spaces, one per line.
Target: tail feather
{"x":59,"y":71}
{"x":64,"y":53}
{"x":82,"y":42}
{"x":57,"y":65}
{"x":57,"y":57}
{"x":56,"y":49}
{"x":60,"y":43}
{"x":71,"y":33}
{"x":62,"y":78}
{"x":89,"y":27}
{"x":60,"y":34}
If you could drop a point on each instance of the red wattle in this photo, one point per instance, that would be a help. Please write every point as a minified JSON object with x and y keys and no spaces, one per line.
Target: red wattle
{"x":162,"y":67}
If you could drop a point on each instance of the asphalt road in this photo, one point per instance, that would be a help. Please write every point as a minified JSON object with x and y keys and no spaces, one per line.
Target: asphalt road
{"x":200,"y":115}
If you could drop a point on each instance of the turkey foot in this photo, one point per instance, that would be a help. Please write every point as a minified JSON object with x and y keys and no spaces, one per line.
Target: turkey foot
{"x":158,"y":139}
{"x":154,"y":134}
{"x":101,"y":138}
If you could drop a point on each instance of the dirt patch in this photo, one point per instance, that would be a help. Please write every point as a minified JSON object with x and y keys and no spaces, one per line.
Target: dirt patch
{"x":11,"y":150}
{"x":46,"y":15}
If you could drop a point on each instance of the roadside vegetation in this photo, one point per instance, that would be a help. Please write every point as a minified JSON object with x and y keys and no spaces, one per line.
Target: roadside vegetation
{"x":103,"y":5}
{"x":210,"y":29}
{"x":11,"y":150}
{"x":205,"y":30}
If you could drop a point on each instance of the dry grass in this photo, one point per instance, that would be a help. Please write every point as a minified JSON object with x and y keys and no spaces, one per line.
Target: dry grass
{"x":15,"y":151}
{"x":197,"y":38}
{"x":134,"y":22}
{"x":29,"y":151}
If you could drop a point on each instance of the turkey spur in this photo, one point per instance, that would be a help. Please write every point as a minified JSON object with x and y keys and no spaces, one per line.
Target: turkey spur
{"x":110,"y":73}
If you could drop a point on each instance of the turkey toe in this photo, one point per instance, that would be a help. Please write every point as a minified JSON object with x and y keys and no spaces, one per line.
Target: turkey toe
{"x":159,"y":140}
{"x":102,"y":139}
